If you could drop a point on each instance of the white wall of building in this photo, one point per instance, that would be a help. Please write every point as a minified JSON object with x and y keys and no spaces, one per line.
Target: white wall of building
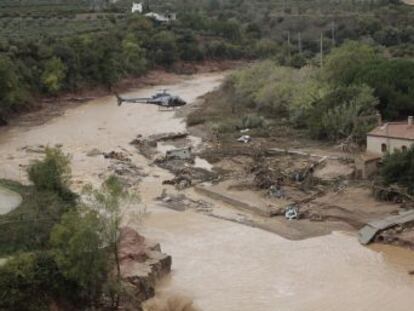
{"x":374,"y":144}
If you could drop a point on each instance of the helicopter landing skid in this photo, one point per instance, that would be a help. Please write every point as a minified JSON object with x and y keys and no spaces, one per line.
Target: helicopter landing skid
{"x":163,"y":108}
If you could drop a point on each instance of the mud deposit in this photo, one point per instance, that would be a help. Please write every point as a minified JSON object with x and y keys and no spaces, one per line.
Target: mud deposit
{"x":220,"y":265}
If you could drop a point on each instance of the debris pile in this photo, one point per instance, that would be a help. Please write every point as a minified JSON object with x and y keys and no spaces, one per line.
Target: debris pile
{"x":265,"y":177}
{"x":393,"y":193}
{"x":121,"y":165}
{"x":167,"y":136}
{"x":128,"y":173}
{"x":182,"y":180}
{"x":184,"y":171}
{"x":180,"y":154}
{"x":116,"y":155}
{"x":180,"y":202}
{"x":147,"y":146}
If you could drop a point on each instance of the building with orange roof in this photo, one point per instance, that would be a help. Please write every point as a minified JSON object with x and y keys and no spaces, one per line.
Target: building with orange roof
{"x":391,"y":136}
{"x":386,"y":137}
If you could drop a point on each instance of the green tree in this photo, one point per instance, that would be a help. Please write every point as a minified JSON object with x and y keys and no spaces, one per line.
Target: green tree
{"x":398,"y":167}
{"x":393,"y":82}
{"x":31,"y":281}
{"x":53,"y":75}
{"x":52,"y":173}
{"x":344,"y":62}
{"x":12,"y":90}
{"x":79,"y":250}
{"x":133,"y":55}
{"x":343,"y":112}
{"x":107,"y":201}
{"x":64,"y":51}
{"x":165,"y":48}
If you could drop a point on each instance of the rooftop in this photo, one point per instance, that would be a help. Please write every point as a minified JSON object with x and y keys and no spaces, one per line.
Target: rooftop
{"x":400,"y":130}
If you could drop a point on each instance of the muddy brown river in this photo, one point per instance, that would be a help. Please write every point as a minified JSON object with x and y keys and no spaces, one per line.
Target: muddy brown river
{"x":221,"y":265}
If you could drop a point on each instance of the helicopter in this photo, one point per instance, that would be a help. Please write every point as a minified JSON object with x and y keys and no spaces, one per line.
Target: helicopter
{"x":162,"y":99}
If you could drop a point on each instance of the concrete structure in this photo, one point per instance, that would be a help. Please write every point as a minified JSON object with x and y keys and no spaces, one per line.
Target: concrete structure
{"x":391,"y":136}
{"x":366,"y":165}
{"x":367,"y":233}
{"x":244,"y":200}
{"x":180,"y":154}
{"x":137,"y":8}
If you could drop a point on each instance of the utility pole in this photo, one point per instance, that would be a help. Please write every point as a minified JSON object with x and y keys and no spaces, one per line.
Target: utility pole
{"x":321,"y":50}
{"x":333,"y":33}
{"x":300,"y":43}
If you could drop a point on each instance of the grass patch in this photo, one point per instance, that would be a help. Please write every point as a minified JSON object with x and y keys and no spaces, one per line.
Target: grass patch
{"x":27,"y":227}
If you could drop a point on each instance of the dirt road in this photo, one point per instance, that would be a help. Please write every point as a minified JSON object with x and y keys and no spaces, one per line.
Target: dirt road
{"x":221,"y":265}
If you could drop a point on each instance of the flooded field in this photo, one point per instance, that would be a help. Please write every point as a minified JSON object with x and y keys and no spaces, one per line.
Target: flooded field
{"x":221,"y":265}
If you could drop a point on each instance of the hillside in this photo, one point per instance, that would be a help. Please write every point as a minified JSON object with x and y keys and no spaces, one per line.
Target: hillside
{"x":48,"y":47}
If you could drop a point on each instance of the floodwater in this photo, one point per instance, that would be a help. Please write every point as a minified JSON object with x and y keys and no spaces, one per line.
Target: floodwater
{"x":228,"y":266}
{"x":9,"y":200}
{"x":221,"y":265}
{"x":100,"y":124}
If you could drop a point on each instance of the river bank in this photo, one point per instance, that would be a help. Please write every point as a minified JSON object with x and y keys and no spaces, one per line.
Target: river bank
{"x":43,"y":108}
{"x":219,"y":264}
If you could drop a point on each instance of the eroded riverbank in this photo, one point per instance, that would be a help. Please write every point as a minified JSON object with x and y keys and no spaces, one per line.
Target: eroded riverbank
{"x":221,"y":265}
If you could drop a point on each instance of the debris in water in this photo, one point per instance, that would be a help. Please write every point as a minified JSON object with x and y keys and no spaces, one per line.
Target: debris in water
{"x":117,"y":155}
{"x":179,"y":154}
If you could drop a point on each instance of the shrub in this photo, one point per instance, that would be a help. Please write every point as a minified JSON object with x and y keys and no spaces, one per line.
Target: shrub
{"x":195,"y":118}
{"x":52,"y":173}
{"x":398,"y":168}
{"x":227,"y":126}
{"x":252,"y":121}
{"x":30,"y":281}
